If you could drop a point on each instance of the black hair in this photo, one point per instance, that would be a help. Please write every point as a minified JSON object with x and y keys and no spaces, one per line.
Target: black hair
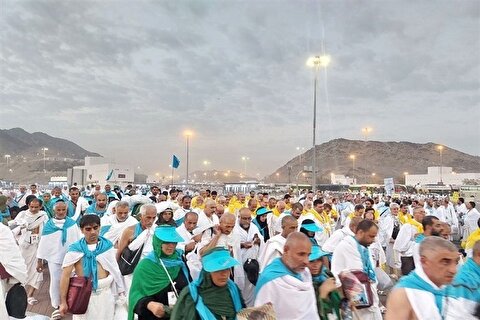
{"x":359,"y":207}
{"x":88,"y":220}
{"x":316,"y":202}
{"x":428,"y":221}
{"x":366,"y":225}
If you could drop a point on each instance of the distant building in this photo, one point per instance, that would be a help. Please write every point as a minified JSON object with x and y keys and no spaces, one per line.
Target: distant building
{"x":436,"y":174}
{"x":57,"y":181}
{"x":341,"y":179}
{"x":99,"y":170}
{"x":243,"y":187}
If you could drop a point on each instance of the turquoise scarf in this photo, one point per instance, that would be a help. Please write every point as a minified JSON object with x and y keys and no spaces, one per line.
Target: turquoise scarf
{"x":274,"y":270}
{"x":467,"y":282}
{"x":420,"y":238}
{"x":92,"y":210}
{"x":4,"y":214}
{"x":89,"y":258}
{"x":50,"y":227}
{"x":414,"y":281}
{"x":137,"y":231}
{"x":366,"y":262}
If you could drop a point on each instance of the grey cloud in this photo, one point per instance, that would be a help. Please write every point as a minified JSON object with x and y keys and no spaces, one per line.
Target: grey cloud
{"x":234,"y":72}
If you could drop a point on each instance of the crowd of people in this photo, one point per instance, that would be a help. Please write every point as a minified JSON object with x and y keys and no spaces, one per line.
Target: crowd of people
{"x":207,"y":255}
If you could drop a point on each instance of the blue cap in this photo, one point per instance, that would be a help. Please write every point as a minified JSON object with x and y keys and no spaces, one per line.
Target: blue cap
{"x":218,"y":260}
{"x":311,"y":226}
{"x":262,"y":210}
{"x":316,"y":253}
{"x":168,"y":233}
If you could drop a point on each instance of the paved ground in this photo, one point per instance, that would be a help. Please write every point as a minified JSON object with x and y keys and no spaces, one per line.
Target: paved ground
{"x":43,"y":306}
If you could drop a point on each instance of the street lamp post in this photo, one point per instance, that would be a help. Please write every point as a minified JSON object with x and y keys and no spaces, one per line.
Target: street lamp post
{"x":316,"y":62}
{"x":245,"y":159}
{"x":44,"y":163}
{"x":187,"y":134}
{"x":440,"y":149}
{"x":352,"y":157}
{"x":7,"y":158}
{"x":365,"y":131}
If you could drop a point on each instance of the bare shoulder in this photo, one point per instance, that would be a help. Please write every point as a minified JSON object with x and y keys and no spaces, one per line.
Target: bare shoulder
{"x":398,"y":306}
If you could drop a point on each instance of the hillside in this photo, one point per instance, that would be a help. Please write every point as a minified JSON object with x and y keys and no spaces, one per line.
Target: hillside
{"x":385,"y":159}
{"x":26,"y":162}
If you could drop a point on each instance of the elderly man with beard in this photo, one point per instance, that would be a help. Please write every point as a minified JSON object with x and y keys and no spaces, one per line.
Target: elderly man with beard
{"x":58,"y":234}
{"x":114,"y":225}
{"x":248,"y":243}
{"x":287,"y":283}
{"x":28,"y":230}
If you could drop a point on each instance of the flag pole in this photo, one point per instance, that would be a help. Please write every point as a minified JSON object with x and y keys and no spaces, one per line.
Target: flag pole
{"x":172,"y":176}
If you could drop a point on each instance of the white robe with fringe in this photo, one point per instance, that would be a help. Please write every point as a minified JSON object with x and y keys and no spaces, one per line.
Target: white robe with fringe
{"x":242,"y":255}
{"x":27,"y":222}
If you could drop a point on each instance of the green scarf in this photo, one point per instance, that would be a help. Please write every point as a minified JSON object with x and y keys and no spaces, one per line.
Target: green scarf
{"x":150,"y":277}
{"x":215,"y":298}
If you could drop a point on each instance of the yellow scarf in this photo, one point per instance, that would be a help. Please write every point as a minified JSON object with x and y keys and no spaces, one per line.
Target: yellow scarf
{"x":275,"y":212}
{"x":403,"y":217}
{"x":234,"y":205}
{"x":333,"y":214}
{"x":416,"y":224}
{"x":472,"y":238}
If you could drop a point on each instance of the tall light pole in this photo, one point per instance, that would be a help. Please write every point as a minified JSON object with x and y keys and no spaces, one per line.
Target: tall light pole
{"x":187,"y":135}
{"x":245,"y":159}
{"x":352,"y":157}
{"x":440,"y":149}
{"x":365,"y":132}
{"x":316,"y":62}
{"x":44,"y":163}
{"x":7,"y":158}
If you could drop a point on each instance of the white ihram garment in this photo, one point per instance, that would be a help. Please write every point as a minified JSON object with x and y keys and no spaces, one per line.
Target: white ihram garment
{"x":291,"y":298}
{"x":28,"y":242}
{"x":272,"y":249}
{"x":242,"y":255}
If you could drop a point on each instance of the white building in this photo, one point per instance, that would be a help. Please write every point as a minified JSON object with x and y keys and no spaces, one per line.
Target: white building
{"x":99,"y":170}
{"x":341,"y":179}
{"x":436,"y":174}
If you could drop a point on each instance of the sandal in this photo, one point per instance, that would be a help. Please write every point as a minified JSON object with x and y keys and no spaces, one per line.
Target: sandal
{"x":56,"y":315}
{"x":32,"y":301}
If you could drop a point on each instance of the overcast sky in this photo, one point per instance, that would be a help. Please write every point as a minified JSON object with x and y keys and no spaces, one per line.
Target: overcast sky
{"x":126,"y":78}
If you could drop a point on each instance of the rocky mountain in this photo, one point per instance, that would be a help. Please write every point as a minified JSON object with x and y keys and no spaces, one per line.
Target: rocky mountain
{"x":384,"y":159}
{"x":17,"y":141}
{"x":25,"y":156}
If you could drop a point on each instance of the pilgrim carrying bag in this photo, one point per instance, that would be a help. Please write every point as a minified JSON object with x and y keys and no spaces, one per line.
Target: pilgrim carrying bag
{"x":78,"y":295}
{"x":357,"y":288}
{"x":129,"y":260}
